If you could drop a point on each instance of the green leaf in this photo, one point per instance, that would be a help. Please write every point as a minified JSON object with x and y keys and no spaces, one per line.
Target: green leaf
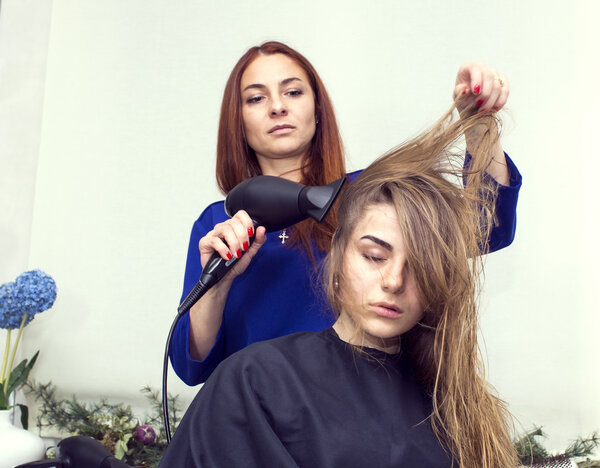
{"x":19,"y":374}
{"x":3,"y":398}
{"x":24,"y":415}
{"x":32,"y":361}
{"x":18,"y":369}
{"x":120,"y":449}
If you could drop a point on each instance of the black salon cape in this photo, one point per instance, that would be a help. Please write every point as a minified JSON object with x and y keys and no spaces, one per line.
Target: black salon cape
{"x":308,"y":400}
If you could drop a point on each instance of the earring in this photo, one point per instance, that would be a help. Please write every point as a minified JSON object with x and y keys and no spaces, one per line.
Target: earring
{"x":316,"y":121}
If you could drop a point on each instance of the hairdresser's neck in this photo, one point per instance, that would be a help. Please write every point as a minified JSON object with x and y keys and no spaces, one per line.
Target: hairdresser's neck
{"x":288,"y":168}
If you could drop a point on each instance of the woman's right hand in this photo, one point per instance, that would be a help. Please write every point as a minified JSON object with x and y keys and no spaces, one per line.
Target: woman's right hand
{"x":207,"y":314}
{"x":232,"y":239}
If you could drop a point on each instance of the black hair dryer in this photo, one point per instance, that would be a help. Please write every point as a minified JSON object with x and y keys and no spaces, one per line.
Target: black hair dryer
{"x":272,"y":202}
{"x":277,"y":203}
{"x":79,"y":452}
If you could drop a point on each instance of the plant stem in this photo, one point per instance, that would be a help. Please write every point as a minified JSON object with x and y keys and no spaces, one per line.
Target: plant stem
{"x":4,"y":361}
{"x":12,"y":357}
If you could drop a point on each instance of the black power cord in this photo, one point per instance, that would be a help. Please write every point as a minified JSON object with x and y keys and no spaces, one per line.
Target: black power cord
{"x":212,"y":273}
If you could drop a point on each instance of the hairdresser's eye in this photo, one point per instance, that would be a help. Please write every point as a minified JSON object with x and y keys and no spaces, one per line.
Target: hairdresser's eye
{"x":254,"y":99}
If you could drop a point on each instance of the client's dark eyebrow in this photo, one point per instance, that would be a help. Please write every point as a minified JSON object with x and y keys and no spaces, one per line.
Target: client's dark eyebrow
{"x":378,"y":241}
{"x":262,"y":86}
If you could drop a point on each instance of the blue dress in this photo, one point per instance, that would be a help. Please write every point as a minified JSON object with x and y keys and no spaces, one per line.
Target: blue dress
{"x":279,"y":292}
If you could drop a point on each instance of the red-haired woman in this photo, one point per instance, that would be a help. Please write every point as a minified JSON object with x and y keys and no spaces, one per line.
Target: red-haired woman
{"x":277,"y":119}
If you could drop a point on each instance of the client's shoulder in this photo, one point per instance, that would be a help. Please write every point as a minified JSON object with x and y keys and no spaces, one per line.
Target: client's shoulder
{"x":285,"y":348}
{"x":277,"y":356}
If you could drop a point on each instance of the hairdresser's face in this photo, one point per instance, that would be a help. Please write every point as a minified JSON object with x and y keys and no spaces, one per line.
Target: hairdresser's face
{"x":379,"y":282}
{"x":278,"y":110}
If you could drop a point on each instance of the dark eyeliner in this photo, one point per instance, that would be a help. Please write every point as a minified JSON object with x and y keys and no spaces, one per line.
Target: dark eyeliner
{"x":253,"y":100}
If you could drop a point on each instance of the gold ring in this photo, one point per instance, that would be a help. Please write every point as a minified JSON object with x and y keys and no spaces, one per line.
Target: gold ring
{"x":500,"y":80}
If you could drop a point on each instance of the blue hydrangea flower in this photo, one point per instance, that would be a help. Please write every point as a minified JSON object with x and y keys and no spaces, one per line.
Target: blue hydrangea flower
{"x":31,"y":293}
{"x":8,"y":314}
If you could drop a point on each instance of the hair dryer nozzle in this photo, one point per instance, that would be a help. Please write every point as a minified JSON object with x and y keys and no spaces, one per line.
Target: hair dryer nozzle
{"x":276,"y":203}
{"x":317,"y":201}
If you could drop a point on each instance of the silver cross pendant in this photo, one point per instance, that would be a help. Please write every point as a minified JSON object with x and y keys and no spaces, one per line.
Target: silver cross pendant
{"x":283,"y":236}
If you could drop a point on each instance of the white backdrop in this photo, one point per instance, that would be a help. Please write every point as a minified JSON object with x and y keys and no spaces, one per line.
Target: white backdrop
{"x":108,"y":113}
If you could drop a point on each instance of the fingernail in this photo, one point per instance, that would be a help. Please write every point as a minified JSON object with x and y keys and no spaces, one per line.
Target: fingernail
{"x":476,"y":89}
{"x":239,"y":253}
{"x":250,"y":231}
{"x":229,"y":256}
{"x":479,"y":103}
{"x":245,"y":246}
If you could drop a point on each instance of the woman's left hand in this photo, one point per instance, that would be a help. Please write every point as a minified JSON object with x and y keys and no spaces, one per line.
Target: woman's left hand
{"x":486,"y":87}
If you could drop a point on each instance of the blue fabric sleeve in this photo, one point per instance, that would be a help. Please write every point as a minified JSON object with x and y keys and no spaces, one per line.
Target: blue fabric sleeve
{"x":190,"y":371}
{"x":503,"y":232}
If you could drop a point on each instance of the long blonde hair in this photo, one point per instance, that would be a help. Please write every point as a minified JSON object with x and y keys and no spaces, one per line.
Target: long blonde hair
{"x":445,"y":208}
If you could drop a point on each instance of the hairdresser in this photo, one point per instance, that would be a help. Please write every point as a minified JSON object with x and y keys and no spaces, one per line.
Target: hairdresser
{"x":277,"y":119}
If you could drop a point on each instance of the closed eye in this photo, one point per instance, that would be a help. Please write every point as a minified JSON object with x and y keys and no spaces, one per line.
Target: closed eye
{"x":373,"y":258}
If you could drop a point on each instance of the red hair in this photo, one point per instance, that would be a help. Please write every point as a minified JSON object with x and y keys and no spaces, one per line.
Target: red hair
{"x":324,"y":161}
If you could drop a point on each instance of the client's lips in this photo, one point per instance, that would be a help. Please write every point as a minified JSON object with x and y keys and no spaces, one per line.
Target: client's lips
{"x":385,"y":309}
{"x":285,"y":128}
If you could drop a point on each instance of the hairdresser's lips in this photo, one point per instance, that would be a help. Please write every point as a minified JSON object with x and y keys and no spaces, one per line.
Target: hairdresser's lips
{"x":387,"y":310}
{"x":281,"y":129}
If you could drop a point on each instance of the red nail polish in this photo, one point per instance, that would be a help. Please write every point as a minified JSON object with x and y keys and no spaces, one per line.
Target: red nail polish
{"x":479,"y":103}
{"x":229,"y":256}
{"x":476,"y":89}
{"x":239,"y":253}
{"x":245,"y":246}
{"x":250,"y":231}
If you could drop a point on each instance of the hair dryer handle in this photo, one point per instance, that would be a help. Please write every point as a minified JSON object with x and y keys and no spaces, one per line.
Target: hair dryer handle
{"x":213,"y":271}
{"x":42,"y":464}
{"x":217,"y":266}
